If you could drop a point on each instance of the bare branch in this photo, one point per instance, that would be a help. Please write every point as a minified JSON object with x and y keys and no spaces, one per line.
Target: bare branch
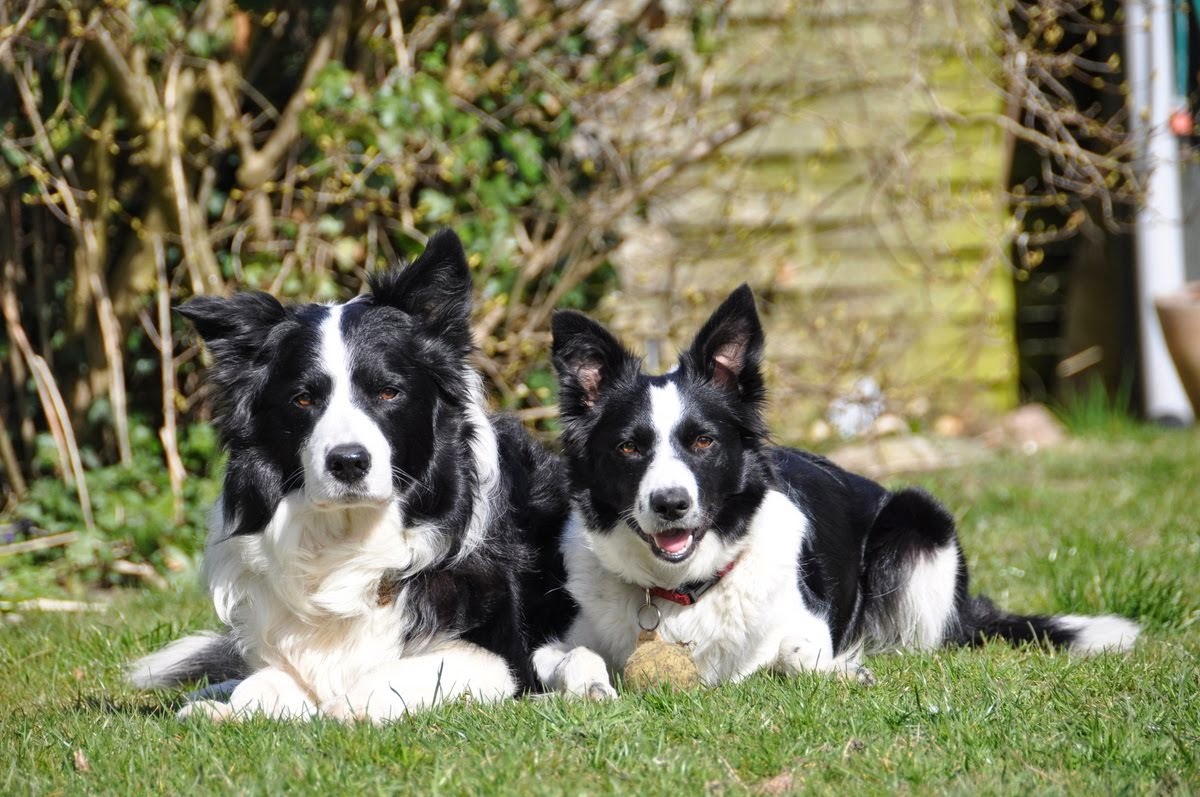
{"x":198,"y":251}
{"x":8,"y":458}
{"x":396,"y":31}
{"x":132,"y":85}
{"x":259,"y":166}
{"x":10,"y":34}
{"x":166,"y":348}
{"x":110,"y":334}
{"x":53,"y":407}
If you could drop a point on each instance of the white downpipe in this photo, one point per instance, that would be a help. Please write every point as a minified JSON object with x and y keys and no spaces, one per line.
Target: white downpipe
{"x":1161,"y":266}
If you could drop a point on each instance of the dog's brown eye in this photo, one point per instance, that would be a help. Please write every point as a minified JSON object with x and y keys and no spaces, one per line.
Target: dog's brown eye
{"x":626,"y":448}
{"x":388,"y":393}
{"x":302,"y":400}
{"x":702,"y":442}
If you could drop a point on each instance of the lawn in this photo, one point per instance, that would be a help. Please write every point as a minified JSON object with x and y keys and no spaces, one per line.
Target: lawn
{"x":1099,"y":525}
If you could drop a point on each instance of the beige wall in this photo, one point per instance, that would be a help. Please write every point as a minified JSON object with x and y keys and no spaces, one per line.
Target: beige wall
{"x":867,"y":215}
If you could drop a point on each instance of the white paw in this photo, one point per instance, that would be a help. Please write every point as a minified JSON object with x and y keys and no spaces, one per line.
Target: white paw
{"x":582,"y":673}
{"x":208,"y":710}
{"x":856,"y":673}
{"x":797,"y":656}
{"x":273,"y":694}
{"x":462,"y":673}
{"x":342,"y":710}
{"x":339,"y":711}
{"x":380,"y":704}
{"x":387,"y":703}
{"x":598,"y":692}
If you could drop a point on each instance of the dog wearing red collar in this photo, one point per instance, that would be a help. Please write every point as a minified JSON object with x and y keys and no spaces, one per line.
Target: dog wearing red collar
{"x":754,"y":556}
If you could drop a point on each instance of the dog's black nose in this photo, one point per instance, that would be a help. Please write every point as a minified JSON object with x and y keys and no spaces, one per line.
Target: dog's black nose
{"x":348,"y":463}
{"x":671,"y":503}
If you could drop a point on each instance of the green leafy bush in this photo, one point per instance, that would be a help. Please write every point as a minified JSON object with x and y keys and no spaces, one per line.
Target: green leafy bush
{"x":134,"y":521}
{"x":156,"y":150}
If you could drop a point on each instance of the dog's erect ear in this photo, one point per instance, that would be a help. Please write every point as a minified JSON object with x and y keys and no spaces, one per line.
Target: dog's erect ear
{"x":587,"y":358}
{"x":435,"y":289}
{"x":729,"y":346}
{"x":242,"y":315}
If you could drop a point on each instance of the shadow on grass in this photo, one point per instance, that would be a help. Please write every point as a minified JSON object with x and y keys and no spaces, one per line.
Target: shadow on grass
{"x":157,"y":708}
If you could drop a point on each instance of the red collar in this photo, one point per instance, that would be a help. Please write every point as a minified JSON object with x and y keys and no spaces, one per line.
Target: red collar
{"x":688,"y":594}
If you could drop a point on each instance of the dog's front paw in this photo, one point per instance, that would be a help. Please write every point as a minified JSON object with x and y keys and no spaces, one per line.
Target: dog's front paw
{"x":271,"y":693}
{"x":860,"y":675}
{"x":798,"y":656}
{"x":598,"y":692}
{"x":802,"y":655}
{"x":342,"y":710}
{"x":582,"y":673}
{"x":209,"y":710}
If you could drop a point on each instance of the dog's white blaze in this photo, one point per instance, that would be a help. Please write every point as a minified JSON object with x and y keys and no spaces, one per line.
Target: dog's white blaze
{"x":666,"y":469}
{"x":343,"y":423}
{"x":1104,"y":634}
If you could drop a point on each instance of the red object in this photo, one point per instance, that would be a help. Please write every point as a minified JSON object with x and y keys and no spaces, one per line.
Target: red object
{"x":690,"y":593}
{"x":1183,"y":123}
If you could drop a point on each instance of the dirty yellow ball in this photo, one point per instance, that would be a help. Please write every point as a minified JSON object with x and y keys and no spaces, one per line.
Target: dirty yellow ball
{"x":657,"y":663}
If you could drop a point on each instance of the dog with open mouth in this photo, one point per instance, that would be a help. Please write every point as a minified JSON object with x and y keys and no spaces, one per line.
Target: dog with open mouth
{"x":687,"y":520}
{"x":379,"y":536}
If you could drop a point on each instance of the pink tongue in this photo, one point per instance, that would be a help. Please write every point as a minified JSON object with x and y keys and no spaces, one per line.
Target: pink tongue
{"x":673,"y":542}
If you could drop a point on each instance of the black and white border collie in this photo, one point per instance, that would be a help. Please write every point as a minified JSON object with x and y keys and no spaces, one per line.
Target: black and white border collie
{"x":754,"y":555}
{"x":378,"y":534}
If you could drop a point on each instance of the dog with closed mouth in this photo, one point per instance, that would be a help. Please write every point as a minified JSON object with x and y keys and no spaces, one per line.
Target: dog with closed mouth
{"x":756,"y":556}
{"x":378,"y":536}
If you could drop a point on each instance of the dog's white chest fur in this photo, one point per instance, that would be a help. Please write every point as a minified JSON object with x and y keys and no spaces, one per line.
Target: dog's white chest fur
{"x":303,"y":595}
{"x":734,"y":629}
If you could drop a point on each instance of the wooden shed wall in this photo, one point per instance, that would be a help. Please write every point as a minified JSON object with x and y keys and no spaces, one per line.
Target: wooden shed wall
{"x":867,"y":215}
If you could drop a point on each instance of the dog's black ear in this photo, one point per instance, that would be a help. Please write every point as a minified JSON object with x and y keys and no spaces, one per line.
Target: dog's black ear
{"x":587,"y":358}
{"x":728,"y":349}
{"x":435,"y":289}
{"x":243,"y":315}
{"x":237,"y":331}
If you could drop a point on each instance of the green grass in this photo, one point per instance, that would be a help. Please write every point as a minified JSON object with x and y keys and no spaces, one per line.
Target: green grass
{"x":1090,"y":409}
{"x":1099,"y":525}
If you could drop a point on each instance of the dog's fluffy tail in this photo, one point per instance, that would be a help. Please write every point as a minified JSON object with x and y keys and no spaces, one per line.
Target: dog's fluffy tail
{"x":206,"y":655}
{"x":1077,"y":634}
